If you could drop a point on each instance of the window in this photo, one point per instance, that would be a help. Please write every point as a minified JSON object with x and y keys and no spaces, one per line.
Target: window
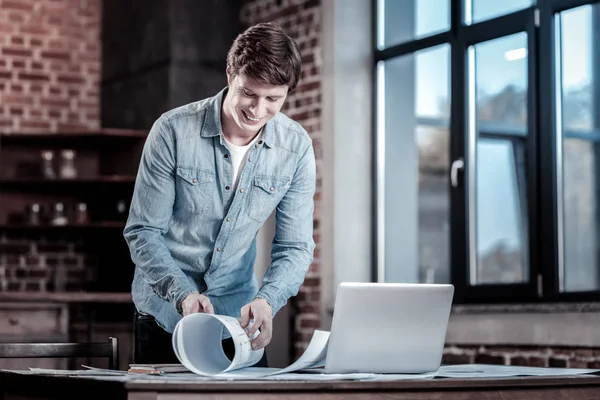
{"x":488,"y":147}
{"x":578,"y":123}
{"x":414,"y":133}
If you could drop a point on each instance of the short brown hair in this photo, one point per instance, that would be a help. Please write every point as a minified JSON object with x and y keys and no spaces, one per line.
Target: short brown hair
{"x":266,"y":54}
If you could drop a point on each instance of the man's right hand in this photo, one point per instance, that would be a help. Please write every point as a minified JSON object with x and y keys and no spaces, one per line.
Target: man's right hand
{"x":196,"y":303}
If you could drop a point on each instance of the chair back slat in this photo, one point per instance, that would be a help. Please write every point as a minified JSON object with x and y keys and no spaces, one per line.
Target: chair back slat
{"x":108,"y":349}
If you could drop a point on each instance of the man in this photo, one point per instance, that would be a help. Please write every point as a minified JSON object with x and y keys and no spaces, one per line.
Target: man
{"x":211,"y":173}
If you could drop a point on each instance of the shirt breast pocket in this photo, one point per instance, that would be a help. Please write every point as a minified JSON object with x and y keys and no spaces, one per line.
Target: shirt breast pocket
{"x":267,"y":192}
{"x":194,"y":190}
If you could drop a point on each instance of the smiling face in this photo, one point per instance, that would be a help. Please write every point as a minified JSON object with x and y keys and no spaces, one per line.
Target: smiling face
{"x":249,"y":104}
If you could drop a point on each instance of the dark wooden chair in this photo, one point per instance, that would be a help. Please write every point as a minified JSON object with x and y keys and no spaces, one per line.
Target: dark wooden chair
{"x":109,"y":349}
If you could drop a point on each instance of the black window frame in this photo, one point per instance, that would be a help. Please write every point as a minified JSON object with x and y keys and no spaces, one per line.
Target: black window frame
{"x":537,"y":21}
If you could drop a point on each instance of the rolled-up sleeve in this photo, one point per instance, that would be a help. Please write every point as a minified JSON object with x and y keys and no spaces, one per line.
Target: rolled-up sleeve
{"x":293,"y":244}
{"x":150,"y":213}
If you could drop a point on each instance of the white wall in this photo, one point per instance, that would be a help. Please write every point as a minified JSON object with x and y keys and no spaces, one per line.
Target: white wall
{"x":347,"y":125}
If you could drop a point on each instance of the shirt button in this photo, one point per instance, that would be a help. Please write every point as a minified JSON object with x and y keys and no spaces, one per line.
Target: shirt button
{"x":242,"y":190}
{"x":218,"y":249}
{"x":226,"y":156}
{"x":228,"y":219}
{"x":271,"y":188}
{"x":194,"y":180}
{"x":227,"y":187}
{"x":260,"y":142}
{"x":249,"y":160}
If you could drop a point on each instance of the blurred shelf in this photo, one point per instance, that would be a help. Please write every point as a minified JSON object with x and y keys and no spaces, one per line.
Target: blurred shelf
{"x":39,"y":138}
{"x":20,"y":182}
{"x":67,"y":297}
{"x":91,"y":225}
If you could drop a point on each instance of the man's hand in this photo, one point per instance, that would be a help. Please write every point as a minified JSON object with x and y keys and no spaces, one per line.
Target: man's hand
{"x":196,"y":303}
{"x":262,"y":314}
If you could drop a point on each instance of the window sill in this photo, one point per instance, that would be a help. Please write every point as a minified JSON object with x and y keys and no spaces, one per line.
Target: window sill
{"x":558,"y":324}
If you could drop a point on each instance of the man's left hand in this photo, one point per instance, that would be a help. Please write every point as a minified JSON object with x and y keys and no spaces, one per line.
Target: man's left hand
{"x":262,"y":314}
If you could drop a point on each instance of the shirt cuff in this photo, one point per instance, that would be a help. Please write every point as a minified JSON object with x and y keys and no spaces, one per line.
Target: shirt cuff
{"x":273,"y":296}
{"x":179,"y":294}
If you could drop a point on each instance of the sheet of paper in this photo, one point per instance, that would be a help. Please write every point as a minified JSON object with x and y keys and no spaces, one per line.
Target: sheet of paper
{"x":314,"y":356}
{"x":500,"y":371}
{"x":197,"y":344}
{"x":85,"y":372}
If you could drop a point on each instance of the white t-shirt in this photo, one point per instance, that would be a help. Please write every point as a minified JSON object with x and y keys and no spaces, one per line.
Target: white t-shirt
{"x":238,"y":157}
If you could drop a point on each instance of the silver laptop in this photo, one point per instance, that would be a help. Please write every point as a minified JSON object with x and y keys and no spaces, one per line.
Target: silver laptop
{"x":388,"y":327}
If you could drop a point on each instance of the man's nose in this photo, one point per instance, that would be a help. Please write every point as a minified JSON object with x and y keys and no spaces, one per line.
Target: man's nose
{"x":257,"y":107}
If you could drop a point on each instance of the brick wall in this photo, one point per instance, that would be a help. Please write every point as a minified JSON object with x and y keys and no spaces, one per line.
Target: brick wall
{"x":301,"y":19}
{"x":534,"y":356}
{"x":49,"y":81}
{"x":44,"y":265}
{"x":49,"y":65}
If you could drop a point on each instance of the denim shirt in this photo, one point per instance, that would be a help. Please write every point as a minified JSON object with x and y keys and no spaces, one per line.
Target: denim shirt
{"x":188,"y":231}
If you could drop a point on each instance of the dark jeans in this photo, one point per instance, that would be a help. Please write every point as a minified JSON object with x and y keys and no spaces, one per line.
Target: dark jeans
{"x":153,"y":345}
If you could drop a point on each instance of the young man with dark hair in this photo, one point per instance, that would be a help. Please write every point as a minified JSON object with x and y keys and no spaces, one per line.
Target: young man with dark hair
{"x":211,"y":173}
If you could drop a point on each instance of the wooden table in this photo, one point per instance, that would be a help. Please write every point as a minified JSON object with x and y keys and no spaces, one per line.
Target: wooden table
{"x":19,"y":386}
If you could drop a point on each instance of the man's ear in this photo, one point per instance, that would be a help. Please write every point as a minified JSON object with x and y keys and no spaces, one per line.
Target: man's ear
{"x":229,"y":76}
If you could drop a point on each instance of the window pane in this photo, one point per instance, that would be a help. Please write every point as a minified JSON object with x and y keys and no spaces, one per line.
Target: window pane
{"x":501,"y":125}
{"x":580,"y":116}
{"x":414,"y":116}
{"x":501,"y":239}
{"x":501,"y":80}
{"x":479,"y":10}
{"x":401,"y":21}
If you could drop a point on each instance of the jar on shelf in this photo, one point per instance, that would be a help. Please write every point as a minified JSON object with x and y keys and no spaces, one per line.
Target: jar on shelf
{"x":48,"y":171}
{"x":67,"y":164}
{"x":59,"y":216}
{"x":81,"y":214}
{"x":33,"y":214}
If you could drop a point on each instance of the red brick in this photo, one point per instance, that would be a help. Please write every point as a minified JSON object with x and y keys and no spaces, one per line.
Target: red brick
{"x":11,"y":51}
{"x":306,"y":322}
{"x":456,"y":359}
{"x":5,"y":75}
{"x":17,"y":40}
{"x":594,"y":364}
{"x":577,"y":364}
{"x":16,"y":5}
{"x":308,"y":309}
{"x":33,"y":76}
{"x":69,"y":79}
{"x":73,"y":127}
{"x":316,"y":295}
{"x":35,"y":124}
{"x":528,"y":361}
{"x":54,"y":102}
{"x":18,"y":64}
{"x":56,"y":55}
{"x":34,"y":29}
{"x":6,"y":28}
{"x":56,"y":44}
{"x":14,"y":98}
